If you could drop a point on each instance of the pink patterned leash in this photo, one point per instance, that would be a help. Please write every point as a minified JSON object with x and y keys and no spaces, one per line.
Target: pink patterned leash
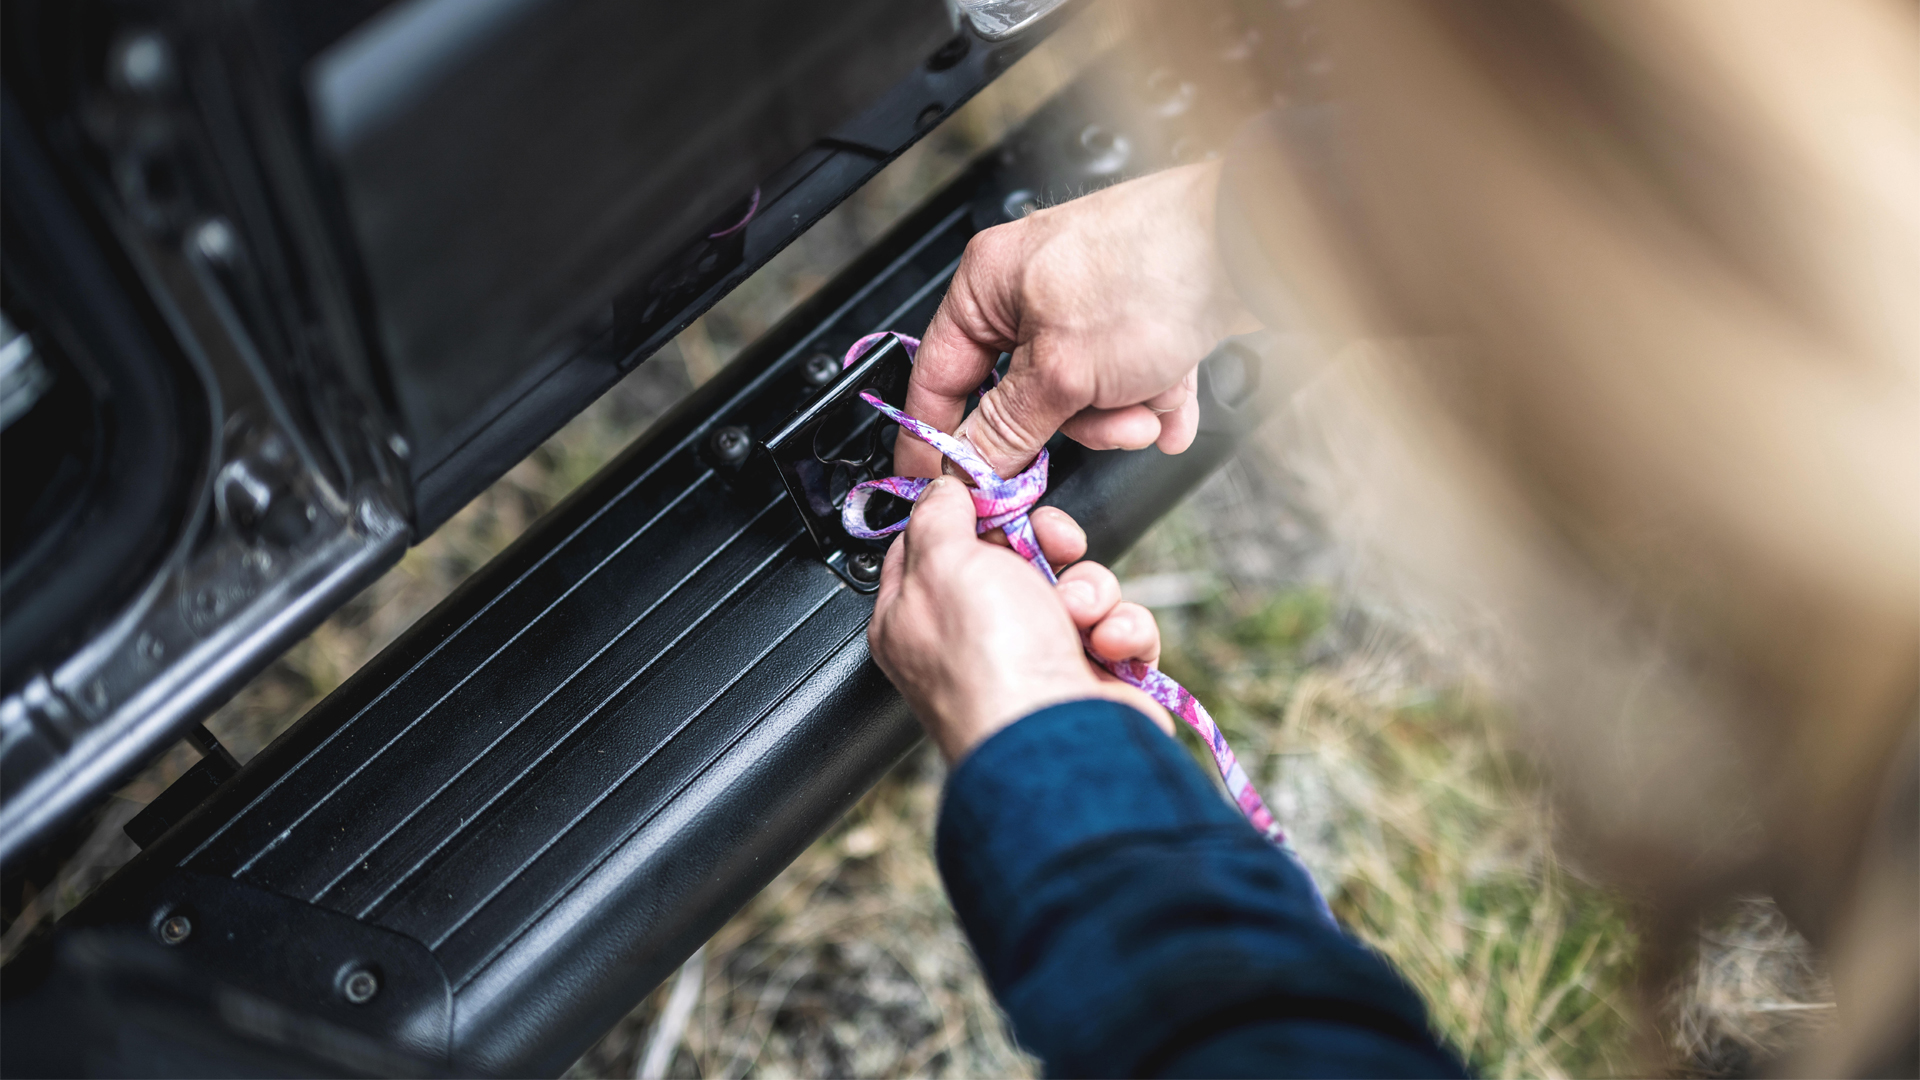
{"x":1004,"y":504}
{"x":753,"y":207}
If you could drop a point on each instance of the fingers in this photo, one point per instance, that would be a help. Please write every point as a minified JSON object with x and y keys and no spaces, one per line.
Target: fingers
{"x":1061,"y":538}
{"x":1127,"y":428}
{"x":891,"y":570}
{"x":975,"y":323}
{"x":1178,"y":428}
{"x":1015,"y":419}
{"x":1127,"y":632}
{"x":1169,"y":420}
{"x":1089,"y":592}
{"x":1173,"y":396}
{"x":1116,"y":629}
{"x":942,"y":519}
{"x":950,"y":366}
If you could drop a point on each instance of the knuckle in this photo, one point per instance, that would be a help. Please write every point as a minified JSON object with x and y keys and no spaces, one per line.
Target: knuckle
{"x":1065,"y":379}
{"x":994,"y":251}
{"x":1001,"y":421}
{"x":1098,"y":575}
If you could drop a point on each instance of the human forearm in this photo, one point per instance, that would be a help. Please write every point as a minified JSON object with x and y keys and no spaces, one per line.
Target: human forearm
{"x":1130,"y":921}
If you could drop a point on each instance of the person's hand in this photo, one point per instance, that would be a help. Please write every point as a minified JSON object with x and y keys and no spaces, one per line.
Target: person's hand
{"x":1107,"y":304}
{"x":976,"y":639}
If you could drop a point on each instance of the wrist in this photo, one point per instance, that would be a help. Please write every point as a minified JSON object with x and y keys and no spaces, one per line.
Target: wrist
{"x":962,"y":725}
{"x":1230,"y":312}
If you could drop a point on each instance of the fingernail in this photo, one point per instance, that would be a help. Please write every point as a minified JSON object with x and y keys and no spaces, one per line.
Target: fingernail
{"x":1078,"y":593}
{"x":938,"y":482}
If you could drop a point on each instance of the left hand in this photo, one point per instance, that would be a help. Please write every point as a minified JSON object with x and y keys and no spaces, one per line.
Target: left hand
{"x":975,"y":639}
{"x":1107,"y":304}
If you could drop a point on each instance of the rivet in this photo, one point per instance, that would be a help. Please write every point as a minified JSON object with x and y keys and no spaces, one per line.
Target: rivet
{"x":1103,"y":150}
{"x":144,"y":62}
{"x":176,"y":929}
{"x":359,"y":986}
{"x":731,"y":444}
{"x":215,"y":240}
{"x":821,"y":369}
{"x":1167,"y":93}
{"x":864,"y":567}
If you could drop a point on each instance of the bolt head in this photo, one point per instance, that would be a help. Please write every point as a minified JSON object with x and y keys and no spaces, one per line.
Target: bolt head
{"x":359,"y":986}
{"x":143,"y":62}
{"x":1103,"y":150}
{"x":216,"y":241}
{"x":864,"y":567}
{"x":731,"y":444}
{"x":176,"y":929}
{"x":1167,"y":93}
{"x":821,"y":369}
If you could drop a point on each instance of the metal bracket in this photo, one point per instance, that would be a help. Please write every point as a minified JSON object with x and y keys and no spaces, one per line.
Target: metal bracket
{"x":834,"y":442}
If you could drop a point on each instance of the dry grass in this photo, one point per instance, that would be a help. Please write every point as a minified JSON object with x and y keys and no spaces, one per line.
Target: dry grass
{"x":1431,"y":837}
{"x":1752,"y":992}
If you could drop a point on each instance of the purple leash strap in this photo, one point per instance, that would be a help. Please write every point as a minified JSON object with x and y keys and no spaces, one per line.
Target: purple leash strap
{"x":1004,"y":504}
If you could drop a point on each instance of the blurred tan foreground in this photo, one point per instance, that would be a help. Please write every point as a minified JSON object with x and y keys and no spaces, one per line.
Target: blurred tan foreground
{"x":1565,"y":611}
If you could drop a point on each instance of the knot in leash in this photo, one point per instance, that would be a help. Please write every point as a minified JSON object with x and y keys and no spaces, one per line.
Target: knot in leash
{"x":1001,"y":503}
{"x":997,"y":502}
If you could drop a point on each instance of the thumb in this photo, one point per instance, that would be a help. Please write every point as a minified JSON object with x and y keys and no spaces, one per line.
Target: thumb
{"x":1016,"y":418}
{"x":942,"y":518}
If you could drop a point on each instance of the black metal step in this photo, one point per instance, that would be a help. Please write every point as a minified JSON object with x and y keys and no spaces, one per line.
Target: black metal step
{"x":569,"y":774}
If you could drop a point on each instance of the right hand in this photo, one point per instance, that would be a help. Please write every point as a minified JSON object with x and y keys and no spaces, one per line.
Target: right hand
{"x":1107,"y":304}
{"x":976,"y":639}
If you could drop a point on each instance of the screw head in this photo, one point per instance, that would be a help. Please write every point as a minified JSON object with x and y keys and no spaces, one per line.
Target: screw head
{"x":731,"y":444}
{"x":821,"y":369}
{"x":359,"y":986}
{"x":216,"y":241}
{"x":1019,"y":204}
{"x":864,"y":567}
{"x":143,"y":62}
{"x":1102,"y":150}
{"x":1167,"y":94}
{"x":176,"y":929}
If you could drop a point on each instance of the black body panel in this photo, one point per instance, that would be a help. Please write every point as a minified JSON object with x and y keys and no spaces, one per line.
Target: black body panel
{"x":511,"y":166}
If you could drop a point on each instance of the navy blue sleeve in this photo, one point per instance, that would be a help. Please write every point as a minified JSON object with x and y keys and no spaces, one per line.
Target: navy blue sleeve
{"x":1132,"y":923}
